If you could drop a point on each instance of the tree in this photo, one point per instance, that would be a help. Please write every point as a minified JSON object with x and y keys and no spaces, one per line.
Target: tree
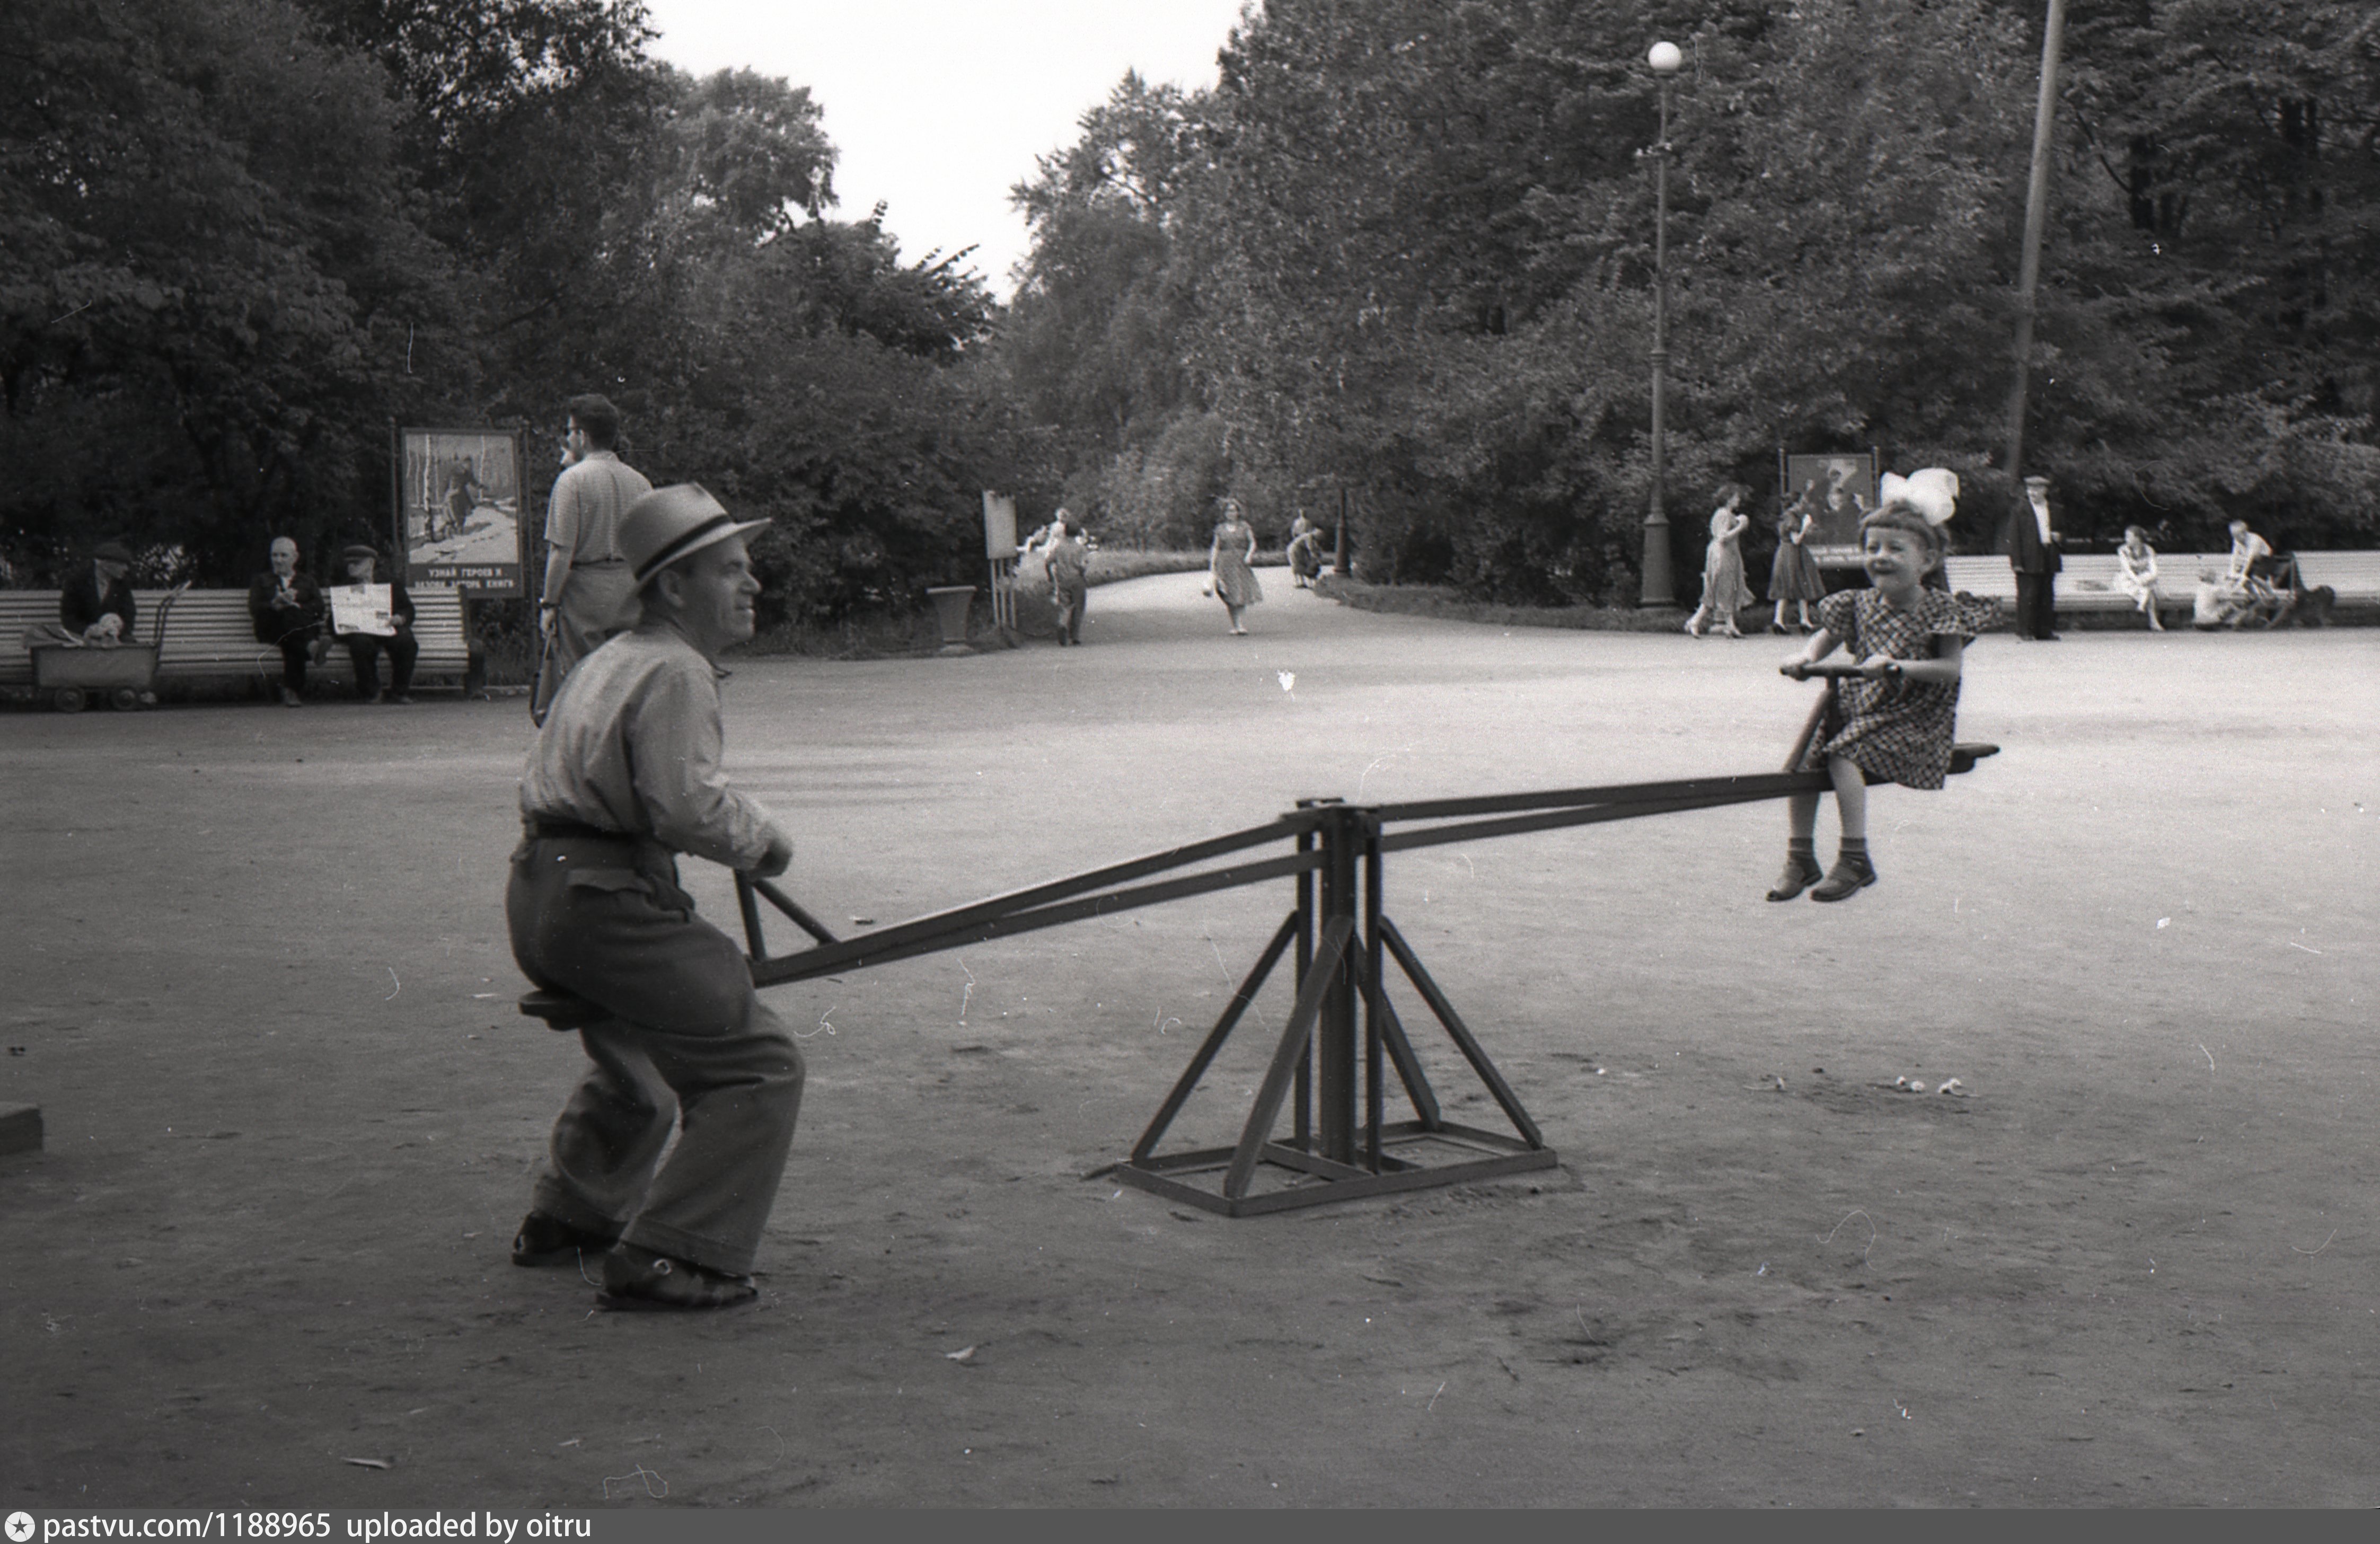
{"x":1404,"y":250}
{"x":207,"y":253}
{"x":1096,"y":337}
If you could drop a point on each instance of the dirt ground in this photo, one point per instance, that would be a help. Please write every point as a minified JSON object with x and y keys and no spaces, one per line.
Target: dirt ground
{"x":258,"y":984}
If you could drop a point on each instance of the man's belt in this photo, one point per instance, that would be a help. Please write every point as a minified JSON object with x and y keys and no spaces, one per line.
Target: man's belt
{"x":601,"y":563}
{"x":557,"y":826}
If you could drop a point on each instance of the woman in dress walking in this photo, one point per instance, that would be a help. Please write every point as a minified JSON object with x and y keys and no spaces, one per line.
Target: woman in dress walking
{"x":1230,"y":579}
{"x":1794,"y":577}
{"x":1724,"y":590}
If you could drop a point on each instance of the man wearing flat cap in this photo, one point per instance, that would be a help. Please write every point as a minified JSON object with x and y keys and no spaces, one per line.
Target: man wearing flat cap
{"x":2031,"y":548}
{"x":96,"y":604}
{"x":364,"y":650}
{"x":624,"y":775}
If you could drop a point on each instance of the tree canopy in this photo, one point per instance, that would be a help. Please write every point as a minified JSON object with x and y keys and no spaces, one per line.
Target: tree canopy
{"x":1402,"y":253}
{"x":1398,"y":260}
{"x":240,"y":241}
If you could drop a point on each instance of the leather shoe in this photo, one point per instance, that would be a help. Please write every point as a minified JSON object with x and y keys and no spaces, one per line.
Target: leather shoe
{"x":638,"y":1280}
{"x":1846,"y":879}
{"x":544,"y":1240}
{"x":1800,"y":874}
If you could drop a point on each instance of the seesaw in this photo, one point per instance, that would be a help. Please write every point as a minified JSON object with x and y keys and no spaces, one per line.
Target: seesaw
{"x":1340,"y":939}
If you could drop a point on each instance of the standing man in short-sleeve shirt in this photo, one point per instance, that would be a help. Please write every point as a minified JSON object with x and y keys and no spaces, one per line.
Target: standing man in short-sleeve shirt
{"x":588,"y":590}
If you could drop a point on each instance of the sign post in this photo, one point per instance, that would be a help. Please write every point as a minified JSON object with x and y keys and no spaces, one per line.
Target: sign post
{"x":1000,"y":551}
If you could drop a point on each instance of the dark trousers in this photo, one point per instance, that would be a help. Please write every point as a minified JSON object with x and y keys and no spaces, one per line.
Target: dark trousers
{"x":690,"y":1045}
{"x":363,"y":653}
{"x":2036,"y":604}
{"x":1070,"y":597}
{"x":297,"y":646}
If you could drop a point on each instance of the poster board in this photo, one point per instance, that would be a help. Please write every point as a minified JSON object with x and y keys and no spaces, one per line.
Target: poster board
{"x":460,"y":510}
{"x":1840,"y":486}
{"x":999,"y":525}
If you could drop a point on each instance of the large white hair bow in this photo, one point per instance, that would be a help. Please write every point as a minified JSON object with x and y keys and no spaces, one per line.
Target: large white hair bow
{"x":1933,"y":493}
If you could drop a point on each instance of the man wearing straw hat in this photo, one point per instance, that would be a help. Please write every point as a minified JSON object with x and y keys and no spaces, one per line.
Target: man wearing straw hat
{"x":625,"y":774}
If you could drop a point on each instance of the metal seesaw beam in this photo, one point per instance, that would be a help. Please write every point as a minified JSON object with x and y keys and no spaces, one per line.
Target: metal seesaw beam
{"x":1341,"y":946}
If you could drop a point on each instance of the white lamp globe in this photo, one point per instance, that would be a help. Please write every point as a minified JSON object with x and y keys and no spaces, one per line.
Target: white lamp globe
{"x":1665,"y":58}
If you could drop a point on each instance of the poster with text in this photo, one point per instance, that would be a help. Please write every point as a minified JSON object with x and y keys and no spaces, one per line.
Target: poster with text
{"x":459,"y":509}
{"x":1839,"y":489}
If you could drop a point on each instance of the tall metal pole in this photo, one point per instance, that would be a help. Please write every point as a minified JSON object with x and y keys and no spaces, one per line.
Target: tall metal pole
{"x":2037,"y":215}
{"x":1660,"y":589}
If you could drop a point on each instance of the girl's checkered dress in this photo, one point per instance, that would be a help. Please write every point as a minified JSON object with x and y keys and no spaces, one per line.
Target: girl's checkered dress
{"x":1897,"y":729}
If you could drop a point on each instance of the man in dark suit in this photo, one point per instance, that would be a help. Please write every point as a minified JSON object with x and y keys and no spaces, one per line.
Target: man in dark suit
{"x":96,"y":604}
{"x":365,"y":649}
{"x":2031,"y":544}
{"x":287,"y":608}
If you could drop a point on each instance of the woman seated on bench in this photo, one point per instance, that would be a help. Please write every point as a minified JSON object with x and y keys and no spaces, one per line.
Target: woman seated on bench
{"x":2136,"y":574}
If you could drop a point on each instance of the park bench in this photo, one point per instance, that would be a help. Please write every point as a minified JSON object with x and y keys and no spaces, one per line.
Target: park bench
{"x":2087,"y":582}
{"x":210,"y":636}
{"x":2354,"y":578}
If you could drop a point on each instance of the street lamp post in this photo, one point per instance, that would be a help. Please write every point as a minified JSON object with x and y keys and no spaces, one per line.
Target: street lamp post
{"x":1660,"y":589}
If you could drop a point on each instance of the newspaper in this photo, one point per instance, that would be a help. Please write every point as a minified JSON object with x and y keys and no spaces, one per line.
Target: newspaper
{"x":362,"y":608}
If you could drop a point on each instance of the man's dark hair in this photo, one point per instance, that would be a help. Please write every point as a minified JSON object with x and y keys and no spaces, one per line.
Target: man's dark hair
{"x":598,"y":419}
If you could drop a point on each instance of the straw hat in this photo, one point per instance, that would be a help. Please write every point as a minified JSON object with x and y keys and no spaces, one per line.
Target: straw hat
{"x":671,"y":523}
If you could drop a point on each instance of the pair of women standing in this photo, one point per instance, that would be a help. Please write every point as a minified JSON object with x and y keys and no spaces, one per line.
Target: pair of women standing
{"x":1793,"y":577}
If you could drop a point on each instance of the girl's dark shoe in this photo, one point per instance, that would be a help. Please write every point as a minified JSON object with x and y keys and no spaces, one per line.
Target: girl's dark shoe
{"x":1801,"y":871}
{"x":1849,"y":875}
{"x":640,"y":1280}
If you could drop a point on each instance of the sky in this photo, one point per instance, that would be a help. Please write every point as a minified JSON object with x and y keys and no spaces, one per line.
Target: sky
{"x":938,"y":107}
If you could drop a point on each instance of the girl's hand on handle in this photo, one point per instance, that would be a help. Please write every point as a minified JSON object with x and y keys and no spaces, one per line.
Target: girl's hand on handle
{"x":1802,"y":668}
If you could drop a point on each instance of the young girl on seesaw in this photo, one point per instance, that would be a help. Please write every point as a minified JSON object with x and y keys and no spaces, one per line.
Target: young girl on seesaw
{"x":1894,"y":719}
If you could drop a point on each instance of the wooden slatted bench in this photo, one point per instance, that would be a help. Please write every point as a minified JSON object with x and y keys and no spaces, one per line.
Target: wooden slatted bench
{"x":2353,"y":576}
{"x":210,"y":636}
{"x":2087,"y":582}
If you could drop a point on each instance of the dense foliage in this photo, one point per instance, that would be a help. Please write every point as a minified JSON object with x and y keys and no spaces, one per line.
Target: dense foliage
{"x":1402,"y":256}
{"x":241,"y":240}
{"x":1397,"y":262}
